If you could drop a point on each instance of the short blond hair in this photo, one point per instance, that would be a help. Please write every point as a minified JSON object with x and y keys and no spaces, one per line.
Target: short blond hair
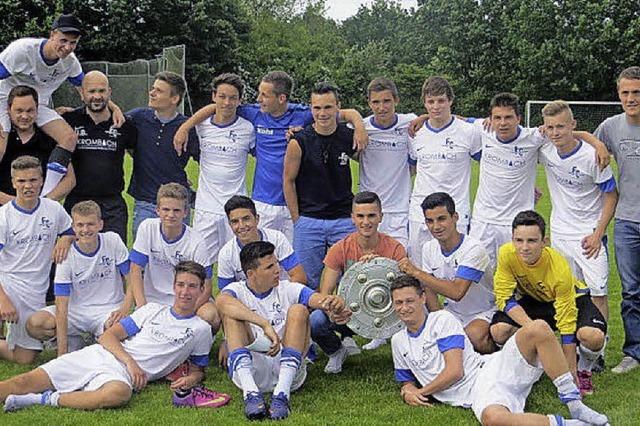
{"x":87,"y":208}
{"x":175,"y":191}
{"x":555,"y":108}
{"x":25,"y":162}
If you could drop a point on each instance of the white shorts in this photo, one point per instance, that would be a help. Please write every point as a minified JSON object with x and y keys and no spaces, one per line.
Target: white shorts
{"x":92,"y":323}
{"x":87,"y":369}
{"x":17,"y":332}
{"x":491,"y":235}
{"x":215,"y":230}
{"x":45,"y":115}
{"x":419,"y":235}
{"x":505,"y":379}
{"x":275,"y":217}
{"x":266,"y":370}
{"x":396,"y":225}
{"x":466,"y":319}
{"x":594,"y":272}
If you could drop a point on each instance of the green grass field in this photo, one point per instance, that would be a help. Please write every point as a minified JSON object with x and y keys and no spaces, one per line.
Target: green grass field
{"x":365,"y":393}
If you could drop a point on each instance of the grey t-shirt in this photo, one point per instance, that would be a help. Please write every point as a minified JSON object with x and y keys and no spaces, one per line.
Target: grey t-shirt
{"x":623,"y":141}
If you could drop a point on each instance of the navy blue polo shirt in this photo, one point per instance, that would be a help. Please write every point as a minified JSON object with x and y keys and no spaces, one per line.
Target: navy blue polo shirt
{"x":155,"y":162}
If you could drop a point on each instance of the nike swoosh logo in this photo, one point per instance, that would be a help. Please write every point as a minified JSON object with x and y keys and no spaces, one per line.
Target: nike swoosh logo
{"x":214,"y":401}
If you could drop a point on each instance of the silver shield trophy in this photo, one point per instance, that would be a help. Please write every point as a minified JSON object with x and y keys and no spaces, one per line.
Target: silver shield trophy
{"x":366,"y":289}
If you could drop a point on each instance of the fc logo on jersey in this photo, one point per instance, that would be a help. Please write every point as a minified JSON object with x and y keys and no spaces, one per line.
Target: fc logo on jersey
{"x":105,"y":261}
{"x":45,"y":223}
{"x":576,"y":173}
{"x":519,"y":151}
{"x":232,"y":136}
{"x":80,"y":131}
{"x":448,"y":143}
{"x":113,"y":132}
{"x":343,"y":159}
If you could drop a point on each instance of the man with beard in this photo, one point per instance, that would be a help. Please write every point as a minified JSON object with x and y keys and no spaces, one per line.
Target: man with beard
{"x":99,"y":154}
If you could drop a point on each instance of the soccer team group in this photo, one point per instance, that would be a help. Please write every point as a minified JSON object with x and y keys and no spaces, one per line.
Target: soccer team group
{"x":482,"y":293}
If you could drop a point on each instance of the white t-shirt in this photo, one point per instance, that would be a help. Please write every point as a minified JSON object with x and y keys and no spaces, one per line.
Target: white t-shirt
{"x":507,"y":176}
{"x":443,"y":164}
{"x":468,"y":261}
{"x":383,"y":164}
{"x":23,"y":59}
{"x":230,"y":270}
{"x":273,"y":304}
{"x":223,"y":162}
{"x":160,"y":340}
{"x":576,"y":184}
{"x":27,"y":239}
{"x":158,"y":257}
{"x":94,"y":280}
{"x":419,"y":357}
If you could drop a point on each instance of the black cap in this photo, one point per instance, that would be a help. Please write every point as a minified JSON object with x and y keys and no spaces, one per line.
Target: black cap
{"x":67,"y":24}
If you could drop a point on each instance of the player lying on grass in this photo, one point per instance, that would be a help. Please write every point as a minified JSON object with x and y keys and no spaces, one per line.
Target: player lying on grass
{"x":266,"y":306}
{"x":140,"y":348}
{"x":434,"y":359}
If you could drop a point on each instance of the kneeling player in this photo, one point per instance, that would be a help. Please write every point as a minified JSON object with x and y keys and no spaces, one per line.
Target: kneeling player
{"x":535,"y":282}
{"x":265,"y":306}
{"x":142,"y":347}
{"x":456,"y":266}
{"x":88,"y":284}
{"x":433,"y":357}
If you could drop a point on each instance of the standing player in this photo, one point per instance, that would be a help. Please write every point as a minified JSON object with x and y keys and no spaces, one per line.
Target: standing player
{"x":272,"y":118}
{"x":243,"y":220}
{"x":433,"y":358}
{"x":99,"y":155}
{"x":384,"y":169}
{"x":583,"y":200}
{"x":25,"y":138}
{"x":88,"y":284}
{"x":621,"y":135}
{"x":29,"y":228}
{"x":139,"y":348}
{"x":535,"y":282}
{"x":317,"y":182}
{"x":162,"y":243}
{"x":45,"y":64}
{"x":225,"y":143}
{"x":265,"y":306}
{"x":442,"y":151}
{"x":456,"y":266}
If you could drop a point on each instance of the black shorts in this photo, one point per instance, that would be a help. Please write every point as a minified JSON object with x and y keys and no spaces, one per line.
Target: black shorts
{"x":114,"y":213}
{"x":588,"y":314}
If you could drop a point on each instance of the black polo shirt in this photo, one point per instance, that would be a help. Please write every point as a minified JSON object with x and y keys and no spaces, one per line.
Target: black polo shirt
{"x":40,"y":146}
{"x":99,"y":155}
{"x":323,"y":184}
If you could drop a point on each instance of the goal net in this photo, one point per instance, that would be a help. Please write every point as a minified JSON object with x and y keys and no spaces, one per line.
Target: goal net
{"x":588,"y":114}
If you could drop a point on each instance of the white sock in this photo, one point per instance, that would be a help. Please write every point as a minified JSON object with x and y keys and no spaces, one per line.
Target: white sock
{"x":53,"y":398}
{"x":581,"y":412}
{"x":567,"y":389}
{"x":558,"y":420}
{"x":240,"y":363}
{"x":53,"y":178}
{"x":290,"y":360}
{"x":587,"y":358}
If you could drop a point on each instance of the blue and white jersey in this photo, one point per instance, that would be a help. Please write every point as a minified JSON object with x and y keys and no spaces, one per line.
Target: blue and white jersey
{"x":94,"y":280}
{"x":507,"y":176}
{"x":468,"y":261}
{"x":27,"y":239}
{"x":22,"y":63}
{"x":384,"y":167}
{"x":419,"y":357}
{"x":576,"y":185}
{"x":271,"y":145}
{"x":273,"y":304}
{"x":223,"y":162}
{"x":160,"y":339}
{"x":443,"y":164}
{"x":159,"y":256}
{"x":230,"y":270}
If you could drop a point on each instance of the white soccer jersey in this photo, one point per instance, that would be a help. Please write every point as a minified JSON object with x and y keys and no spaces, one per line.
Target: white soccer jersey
{"x":419,"y":357}
{"x":158,"y":257}
{"x":383,"y":164}
{"x":443,"y":164}
{"x":576,"y":184}
{"x":23,"y":60}
{"x":468,"y":261}
{"x":93,"y":281}
{"x":507,"y":176}
{"x":273,"y":304}
{"x":223,"y":161}
{"x":27,"y":239}
{"x":160,"y":340}
{"x":230,"y":270}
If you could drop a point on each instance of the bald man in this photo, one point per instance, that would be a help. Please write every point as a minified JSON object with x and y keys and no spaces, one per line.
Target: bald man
{"x":98,"y":158}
